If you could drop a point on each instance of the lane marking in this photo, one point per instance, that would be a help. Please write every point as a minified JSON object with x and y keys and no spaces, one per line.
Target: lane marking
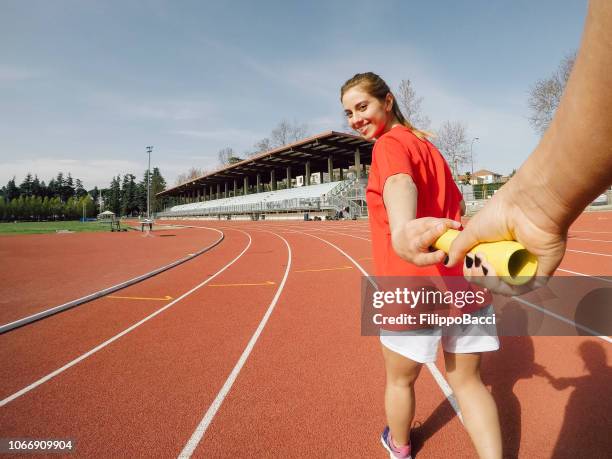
{"x":166,"y":298}
{"x":51,"y":375}
{"x":200,"y":430}
{"x":590,"y":331}
{"x":100,"y":293}
{"x":592,"y":232}
{"x":243,"y":285}
{"x":583,"y":239}
{"x":585,"y":275}
{"x":323,"y":269}
{"x":590,"y":253}
{"x":446,"y":388}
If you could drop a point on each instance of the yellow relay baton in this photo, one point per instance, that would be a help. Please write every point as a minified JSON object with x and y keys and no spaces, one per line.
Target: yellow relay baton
{"x":511,"y":261}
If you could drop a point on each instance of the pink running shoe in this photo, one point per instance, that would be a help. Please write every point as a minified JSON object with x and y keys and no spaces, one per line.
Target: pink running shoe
{"x":394,"y":452}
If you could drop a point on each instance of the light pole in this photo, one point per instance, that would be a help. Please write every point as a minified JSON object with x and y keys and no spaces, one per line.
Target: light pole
{"x":472,"y":157}
{"x":149,"y":150}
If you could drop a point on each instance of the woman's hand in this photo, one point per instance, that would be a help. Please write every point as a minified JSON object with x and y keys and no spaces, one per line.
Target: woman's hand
{"x":412,"y":240}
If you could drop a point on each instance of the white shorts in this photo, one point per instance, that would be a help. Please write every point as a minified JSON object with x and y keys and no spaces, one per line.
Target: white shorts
{"x":422,"y":345}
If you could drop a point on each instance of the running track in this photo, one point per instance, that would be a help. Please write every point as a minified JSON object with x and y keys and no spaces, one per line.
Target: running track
{"x":259,"y":354}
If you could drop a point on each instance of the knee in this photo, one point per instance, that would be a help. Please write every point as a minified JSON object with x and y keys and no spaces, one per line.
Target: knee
{"x":462,"y":380}
{"x":402,"y":380}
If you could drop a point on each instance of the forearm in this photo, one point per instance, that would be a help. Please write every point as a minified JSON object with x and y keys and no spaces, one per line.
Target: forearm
{"x":400,"y":198}
{"x":579,"y":140}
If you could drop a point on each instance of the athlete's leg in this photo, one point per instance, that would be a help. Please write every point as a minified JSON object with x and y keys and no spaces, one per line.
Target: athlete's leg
{"x":476,"y":402}
{"x":399,"y":394}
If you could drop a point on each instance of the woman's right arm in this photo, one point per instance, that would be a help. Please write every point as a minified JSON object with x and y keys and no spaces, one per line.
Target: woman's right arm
{"x":412,"y":237}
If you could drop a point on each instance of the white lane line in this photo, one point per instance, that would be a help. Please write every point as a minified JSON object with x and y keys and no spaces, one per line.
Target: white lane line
{"x":585,"y":275}
{"x":590,"y":331}
{"x":119,"y":335}
{"x":444,"y":386}
{"x":590,"y":253}
{"x":590,"y":240}
{"x":591,"y":232}
{"x":200,"y":430}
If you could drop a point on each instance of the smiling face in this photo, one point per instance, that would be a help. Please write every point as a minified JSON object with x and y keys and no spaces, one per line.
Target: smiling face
{"x":366,"y":114}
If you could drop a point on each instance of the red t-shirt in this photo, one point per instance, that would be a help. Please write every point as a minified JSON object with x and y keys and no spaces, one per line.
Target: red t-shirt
{"x":399,"y":151}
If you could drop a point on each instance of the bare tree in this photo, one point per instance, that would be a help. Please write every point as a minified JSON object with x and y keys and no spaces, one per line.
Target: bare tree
{"x":286,"y":133}
{"x":411,"y":105}
{"x":545,"y":95}
{"x":261,"y":146}
{"x":192,"y":174}
{"x":180,"y":179}
{"x":451,"y":140}
{"x":224,"y":155}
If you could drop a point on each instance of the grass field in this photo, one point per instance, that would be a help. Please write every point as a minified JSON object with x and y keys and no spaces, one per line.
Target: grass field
{"x":51,"y":227}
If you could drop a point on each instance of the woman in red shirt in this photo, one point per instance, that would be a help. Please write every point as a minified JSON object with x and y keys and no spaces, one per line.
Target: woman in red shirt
{"x":412,"y":200}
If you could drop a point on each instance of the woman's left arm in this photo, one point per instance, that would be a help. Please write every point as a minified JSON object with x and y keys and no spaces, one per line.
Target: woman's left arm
{"x":412,"y":237}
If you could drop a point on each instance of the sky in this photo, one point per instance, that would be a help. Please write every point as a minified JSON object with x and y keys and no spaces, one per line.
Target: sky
{"x":86,"y":85}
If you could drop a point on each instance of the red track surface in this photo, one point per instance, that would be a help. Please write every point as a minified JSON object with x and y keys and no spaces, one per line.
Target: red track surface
{"x":311,"y":387}
{"x":45,"y":270}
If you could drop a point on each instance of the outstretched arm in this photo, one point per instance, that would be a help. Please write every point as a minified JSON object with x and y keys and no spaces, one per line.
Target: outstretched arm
{"x":569,"y":168}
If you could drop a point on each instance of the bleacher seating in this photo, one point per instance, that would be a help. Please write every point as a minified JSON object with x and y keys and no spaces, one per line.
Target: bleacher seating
{"x":292,"y":199}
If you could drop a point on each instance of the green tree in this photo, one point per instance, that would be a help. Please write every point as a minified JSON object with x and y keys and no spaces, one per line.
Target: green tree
{"x":79,"y":191}
{"x":12,"y":191}
{"x":129,"y":204}
{"x":158,"y":184}
{"x":26,"y":186}
{"x":113,"y":202}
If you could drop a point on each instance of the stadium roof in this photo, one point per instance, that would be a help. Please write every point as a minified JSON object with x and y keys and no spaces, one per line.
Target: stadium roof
{"x":315,"y":149}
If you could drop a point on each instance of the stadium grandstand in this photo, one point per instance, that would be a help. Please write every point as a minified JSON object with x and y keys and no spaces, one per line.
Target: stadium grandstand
{"x":321,"y":176}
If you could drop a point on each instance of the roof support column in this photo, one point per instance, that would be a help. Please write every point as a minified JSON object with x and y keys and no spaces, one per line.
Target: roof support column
{"x":307,"y":174}
{"x":235,"y":187}
{"x":341,"y":174}
{"x":357,"y":163}
{"x":288,"y":177}
{"x":198,"y":195}
{"x":321,"y":177}
{"x":330,"y":168}
{"x":258,"y":183}
{"x":273,"y":180}
{"x":218,"y":191}
{"x":211,"y":193}
{"x":226,"y":190}
{"x":245,"y":185}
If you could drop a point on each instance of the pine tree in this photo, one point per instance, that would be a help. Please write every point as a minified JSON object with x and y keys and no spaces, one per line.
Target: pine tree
{"x":37,"y":189}
{"x":52,"y":189}
{"x":68,"y":188}
{"x":114,"y":196}
{"x":12,"y":191}
{"x":26,"y":185}
{"x":79,"y":191}
{"x":158,"y":184}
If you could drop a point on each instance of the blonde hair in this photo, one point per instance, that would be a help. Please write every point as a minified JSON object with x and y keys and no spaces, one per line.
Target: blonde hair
{"x":376,"y":87}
